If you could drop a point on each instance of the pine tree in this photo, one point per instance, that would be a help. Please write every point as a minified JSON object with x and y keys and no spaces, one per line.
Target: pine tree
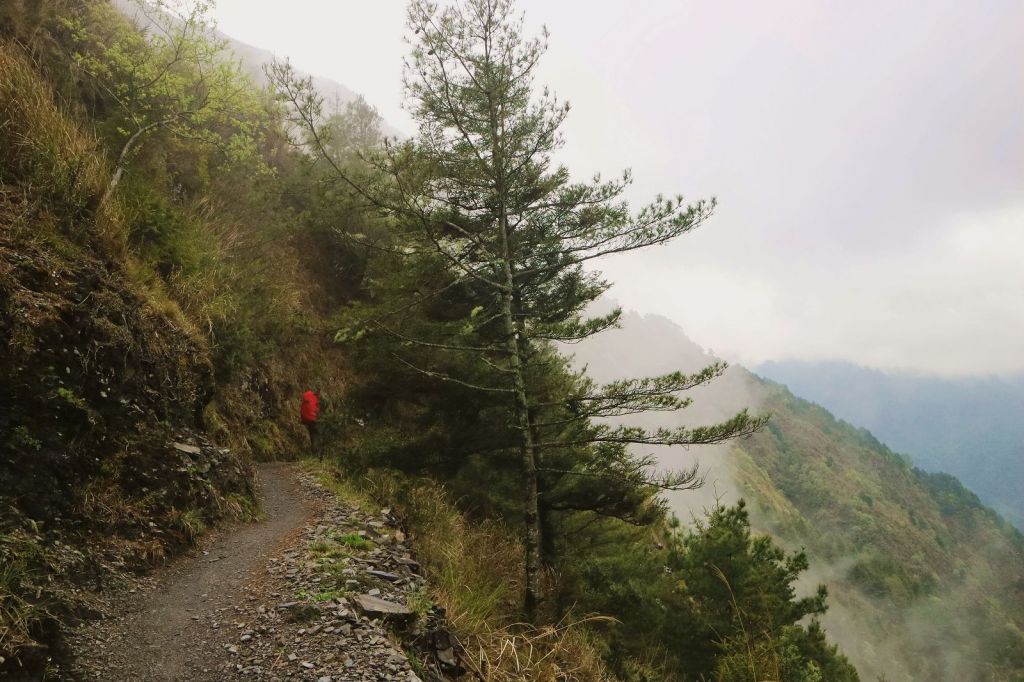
{"x":478,"y":189}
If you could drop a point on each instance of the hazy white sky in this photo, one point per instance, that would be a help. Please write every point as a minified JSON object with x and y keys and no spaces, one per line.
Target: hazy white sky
{"x":868,"y":159}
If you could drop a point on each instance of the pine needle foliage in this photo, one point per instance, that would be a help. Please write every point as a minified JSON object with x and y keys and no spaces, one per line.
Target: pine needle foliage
{"x":478,"y":192}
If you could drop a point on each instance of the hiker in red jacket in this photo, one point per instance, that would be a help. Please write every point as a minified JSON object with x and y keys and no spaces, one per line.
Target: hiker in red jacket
{"x":308,"y":412}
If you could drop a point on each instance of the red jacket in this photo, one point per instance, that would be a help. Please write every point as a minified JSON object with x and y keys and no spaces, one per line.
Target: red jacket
{"x":310,"y":409}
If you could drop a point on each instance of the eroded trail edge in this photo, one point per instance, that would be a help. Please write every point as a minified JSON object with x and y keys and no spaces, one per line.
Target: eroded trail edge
{"x":314,"y":591}
{"x":170,"y":628}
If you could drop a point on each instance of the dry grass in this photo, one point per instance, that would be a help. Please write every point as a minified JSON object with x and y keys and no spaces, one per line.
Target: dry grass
{"x":474,"y":570}
{"x":562,"y":653}
{"x":49,"y":156}
{"x":17,"y":615}
{"x":39,"y":144}
{"x":55,"y":162}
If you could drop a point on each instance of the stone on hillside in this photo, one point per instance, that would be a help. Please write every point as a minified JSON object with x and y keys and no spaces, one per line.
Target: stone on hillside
{"x":384,"y":575}
{"x":375,"y":606}
{"x":185,"y":447}
{"x":303,"y":613}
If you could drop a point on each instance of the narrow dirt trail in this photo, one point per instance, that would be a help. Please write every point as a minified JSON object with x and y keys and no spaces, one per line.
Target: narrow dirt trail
{"x":173,"y":631}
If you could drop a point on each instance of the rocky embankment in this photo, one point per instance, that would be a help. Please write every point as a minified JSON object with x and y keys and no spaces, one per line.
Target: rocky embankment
{"x":344,"y":602}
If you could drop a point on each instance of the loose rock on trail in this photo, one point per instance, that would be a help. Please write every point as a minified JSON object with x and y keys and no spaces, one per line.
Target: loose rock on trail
{"x":287,"y":598}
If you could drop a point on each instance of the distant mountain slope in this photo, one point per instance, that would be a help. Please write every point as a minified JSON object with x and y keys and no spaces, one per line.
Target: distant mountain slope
{"x":253,"y":59}
{"x":970,"y":427}
{"x":926,"y":582}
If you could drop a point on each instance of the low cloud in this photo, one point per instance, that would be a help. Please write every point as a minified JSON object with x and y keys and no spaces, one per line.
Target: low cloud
{"x":952,"y":305}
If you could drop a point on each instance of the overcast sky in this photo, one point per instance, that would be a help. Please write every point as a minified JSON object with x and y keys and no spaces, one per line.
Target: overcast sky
{"x":868,"y":159}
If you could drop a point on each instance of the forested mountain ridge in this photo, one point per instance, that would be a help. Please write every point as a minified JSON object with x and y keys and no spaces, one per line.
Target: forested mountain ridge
{"x":174,"y":275}
{"x":970,"y":427}
{"x":925,"y":581}
{"x":922,"y":573}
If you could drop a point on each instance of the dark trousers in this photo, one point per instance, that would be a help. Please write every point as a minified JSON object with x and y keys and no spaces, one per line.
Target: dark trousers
{"x":311,"y":427}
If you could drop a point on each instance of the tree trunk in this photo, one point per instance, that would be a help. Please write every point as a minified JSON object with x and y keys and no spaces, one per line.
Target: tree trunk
{"x":122,"y":158}
{"x":544,"y":511}
{"x":515,"y":333}
{"x":527,"y":447}
{"x":547,"y":535}
{"x":531,"y":515}
{"x":527,"y":450}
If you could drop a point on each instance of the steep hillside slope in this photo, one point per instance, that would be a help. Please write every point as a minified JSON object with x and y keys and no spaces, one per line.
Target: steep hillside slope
{"x":102,"y":382}
{"x":970,"y":427}
{"x":926,"y":581}
{"x":158,"y":341}
{"x":926,"y":576}
{"x":152,"y":345}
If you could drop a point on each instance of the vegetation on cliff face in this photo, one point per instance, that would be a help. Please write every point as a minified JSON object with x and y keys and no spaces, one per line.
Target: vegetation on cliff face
{"x":928,"y":578}
{"x":99,"y":374}
{"x":969,"y":427}
{"x":128,"y":326}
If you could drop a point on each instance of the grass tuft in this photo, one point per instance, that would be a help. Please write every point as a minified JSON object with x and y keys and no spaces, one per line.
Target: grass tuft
{"x":192,"y":522}
{"x":40,"y":145}
{"x":355,"y":541}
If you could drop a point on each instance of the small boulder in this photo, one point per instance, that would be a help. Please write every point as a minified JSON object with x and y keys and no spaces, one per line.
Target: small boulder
{"x":375,"y":607}
{"x":384,"y":575}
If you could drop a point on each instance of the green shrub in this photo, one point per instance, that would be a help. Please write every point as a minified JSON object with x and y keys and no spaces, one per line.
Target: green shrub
{"x":355,"y":541}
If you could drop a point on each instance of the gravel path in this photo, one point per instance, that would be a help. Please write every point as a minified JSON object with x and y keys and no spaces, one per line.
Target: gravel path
{"x":227,"y":610}
{"x":168,"y":627}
